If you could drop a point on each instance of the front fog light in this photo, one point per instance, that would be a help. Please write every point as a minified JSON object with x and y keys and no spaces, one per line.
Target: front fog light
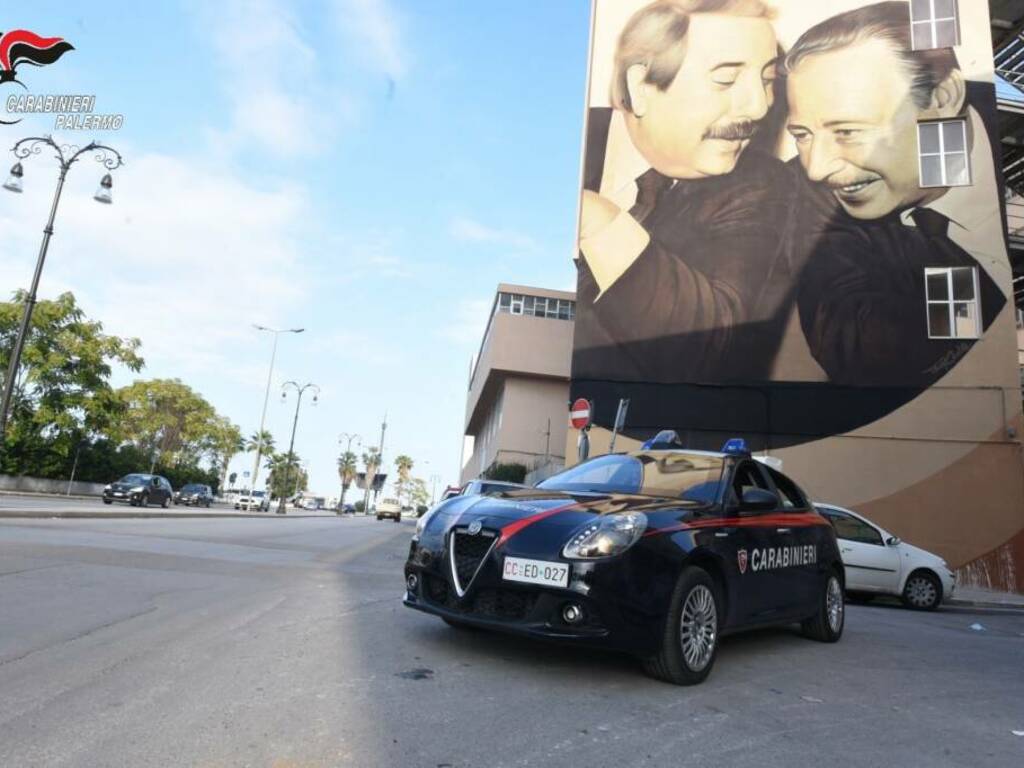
{"x":411,"y":582}
{"x":572,"y":614}
{"x":607,"y":536}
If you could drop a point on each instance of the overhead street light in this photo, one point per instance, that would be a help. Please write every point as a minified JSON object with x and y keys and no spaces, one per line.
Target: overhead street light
{"x":66,"y":156}
{"x":291,"y":445}
{"x":266,"y":398}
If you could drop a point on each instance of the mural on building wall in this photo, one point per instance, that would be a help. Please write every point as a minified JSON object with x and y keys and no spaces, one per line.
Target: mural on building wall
{"x":789,"y":222}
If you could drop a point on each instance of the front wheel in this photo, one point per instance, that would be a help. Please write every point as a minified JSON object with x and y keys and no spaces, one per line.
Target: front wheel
{"x":922,"y":592}
{"x":826,"y":625}
{"x":689,"y":643}
{"x":107,"y":501}
{"x":165,"y":503}
{"x":144,"y":500}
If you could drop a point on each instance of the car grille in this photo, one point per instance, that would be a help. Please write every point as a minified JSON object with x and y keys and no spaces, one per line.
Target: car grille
{"x":467,"y":552}
{"x":503,"y":604}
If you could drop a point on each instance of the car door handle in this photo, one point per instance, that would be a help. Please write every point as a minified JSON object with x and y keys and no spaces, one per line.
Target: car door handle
{"x":846,"y":549}
{"x":783,"y":530}
{"x":722,"y":534}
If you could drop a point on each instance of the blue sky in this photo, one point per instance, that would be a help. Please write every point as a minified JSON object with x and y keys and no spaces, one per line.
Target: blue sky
{"x":367,"y":169}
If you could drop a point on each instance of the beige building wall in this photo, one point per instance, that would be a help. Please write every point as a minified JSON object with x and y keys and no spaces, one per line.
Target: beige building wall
{"x":519,"y":381}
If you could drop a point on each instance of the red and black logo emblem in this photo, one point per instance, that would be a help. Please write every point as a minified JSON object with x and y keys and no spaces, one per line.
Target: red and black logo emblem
{"x":741,"y":560}
{"x":19,"y":46}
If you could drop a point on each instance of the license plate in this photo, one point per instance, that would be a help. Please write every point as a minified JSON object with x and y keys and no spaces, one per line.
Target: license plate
{"x":536,"y":572}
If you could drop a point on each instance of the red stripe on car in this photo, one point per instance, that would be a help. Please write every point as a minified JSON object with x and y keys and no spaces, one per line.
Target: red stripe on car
{"x":781,"y":520}
{"x":512,"y":529}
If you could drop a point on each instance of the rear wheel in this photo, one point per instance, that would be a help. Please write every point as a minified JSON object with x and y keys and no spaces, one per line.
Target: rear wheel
{"x":689,"y":643}
{"x":922,"y":592}
{"x":826,"y":625}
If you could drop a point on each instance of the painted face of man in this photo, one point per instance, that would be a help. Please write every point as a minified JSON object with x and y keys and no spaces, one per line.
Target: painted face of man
{"x":703,"y":121}
{"x":855,"y":126}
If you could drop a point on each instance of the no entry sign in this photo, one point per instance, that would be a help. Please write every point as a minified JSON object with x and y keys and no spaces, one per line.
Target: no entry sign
{"x":579,"y":414}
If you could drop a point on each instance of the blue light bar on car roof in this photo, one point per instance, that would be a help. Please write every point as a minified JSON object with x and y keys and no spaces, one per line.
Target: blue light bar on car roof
{"x":736,"y":446}
{"x":667,"y":438}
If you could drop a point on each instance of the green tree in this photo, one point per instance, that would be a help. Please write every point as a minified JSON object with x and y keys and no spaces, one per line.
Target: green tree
{"x":371,"y":463}
{"x":286,"y":475}
{"x":509,"y":473}
{"x":62,"y":394}
{"x":346,"y":473}
{"x":167,"y":420}
{"x":254,"y":439}
{"x":418,"y":493}
{"x":403,"y":465}
{"x":226,"y":442}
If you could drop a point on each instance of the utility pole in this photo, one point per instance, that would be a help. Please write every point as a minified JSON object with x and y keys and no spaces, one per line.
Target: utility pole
{"x":291,"y":445}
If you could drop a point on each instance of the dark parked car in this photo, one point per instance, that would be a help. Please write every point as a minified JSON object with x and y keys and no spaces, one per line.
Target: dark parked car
{"x":657,"y":552}
{"x":194,"y":495}
{"x":139,"y":490}
{"x":484,"y":487}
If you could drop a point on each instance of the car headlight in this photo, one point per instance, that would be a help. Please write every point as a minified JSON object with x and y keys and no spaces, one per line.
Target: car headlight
{"x":106,"y":487}
{"x":421,"y":524}
{"x":137,"y":489}
{"x":606,"y":537}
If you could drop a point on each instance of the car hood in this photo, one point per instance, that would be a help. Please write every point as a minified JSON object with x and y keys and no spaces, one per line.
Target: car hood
{"x":125,"y":486}
{"x":536,"y":521}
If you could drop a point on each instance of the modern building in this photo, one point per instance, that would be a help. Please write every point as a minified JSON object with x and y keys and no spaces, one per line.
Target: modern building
{"x":858,"y":323}
{"x":519,"y":385}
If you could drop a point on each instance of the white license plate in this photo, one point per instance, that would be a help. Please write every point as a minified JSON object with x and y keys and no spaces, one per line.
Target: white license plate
{"x":536,"y":572}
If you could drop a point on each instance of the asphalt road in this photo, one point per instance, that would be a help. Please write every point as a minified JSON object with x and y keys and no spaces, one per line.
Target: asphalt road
{"x":283,"y":643}
{"x":11,"y":503}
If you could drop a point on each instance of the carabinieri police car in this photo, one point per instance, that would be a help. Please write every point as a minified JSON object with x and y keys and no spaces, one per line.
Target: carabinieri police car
{"x":658,"y":552}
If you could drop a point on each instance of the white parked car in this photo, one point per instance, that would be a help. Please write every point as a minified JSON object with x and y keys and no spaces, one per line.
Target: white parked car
{"x":878,"y":563}
{"x":259,"y":501}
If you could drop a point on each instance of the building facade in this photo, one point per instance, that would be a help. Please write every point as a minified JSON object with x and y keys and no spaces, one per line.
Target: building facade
{"x":519,"y":384}
{"x":809,"y":251}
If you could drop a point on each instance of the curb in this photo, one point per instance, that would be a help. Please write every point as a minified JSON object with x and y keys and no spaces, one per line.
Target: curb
{"x":1005,"y":605}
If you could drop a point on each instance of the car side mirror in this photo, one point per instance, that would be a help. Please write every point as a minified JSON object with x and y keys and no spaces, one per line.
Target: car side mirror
{"x":892,"y":541}
{"x":755,"y":499}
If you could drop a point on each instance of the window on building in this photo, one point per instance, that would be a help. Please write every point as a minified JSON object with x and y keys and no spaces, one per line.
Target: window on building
{"x":934,"y":23}
{"x":504,"y":301}
{"x":1020,"y":319}
{"x":943,"y":153}
{"x":952,"y":297}
{"x":540,"y":307}
{"x":517,"y":304}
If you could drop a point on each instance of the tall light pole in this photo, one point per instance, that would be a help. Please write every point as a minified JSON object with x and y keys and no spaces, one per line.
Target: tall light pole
{"x":433,"y":488}
{"x":347,"y":437}
{"x":295,"y":422}
{"x":266,"y":397}
{"x":66,"y":156}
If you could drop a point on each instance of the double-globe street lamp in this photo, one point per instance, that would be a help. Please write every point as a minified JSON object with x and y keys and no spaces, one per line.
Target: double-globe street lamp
{"x":295,"y":422}
{"x":67,"y":155}
{"x":266,"y":398}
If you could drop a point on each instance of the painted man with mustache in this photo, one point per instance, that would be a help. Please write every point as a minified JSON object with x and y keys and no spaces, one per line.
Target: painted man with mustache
{"x":876,"y":218}
{"x":682,"y":278}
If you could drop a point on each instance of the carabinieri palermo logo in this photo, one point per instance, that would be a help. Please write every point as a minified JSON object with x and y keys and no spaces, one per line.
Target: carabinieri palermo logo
{"x":741,"y":560}
{"x":19,"y":46}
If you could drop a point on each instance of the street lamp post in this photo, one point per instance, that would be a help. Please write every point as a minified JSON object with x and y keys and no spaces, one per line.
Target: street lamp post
{"x":295,"y":422}
{"x":348,"y":437}
{"x":266,"y":397}
{"x":66,"y":156}
{"x":433,"y":488}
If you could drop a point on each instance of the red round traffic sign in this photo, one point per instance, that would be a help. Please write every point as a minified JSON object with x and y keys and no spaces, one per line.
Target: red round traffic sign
{"x":579,"y":414}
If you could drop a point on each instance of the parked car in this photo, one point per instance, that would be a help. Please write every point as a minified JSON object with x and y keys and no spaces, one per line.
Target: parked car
{"x":257,"y":500}
{"x":139,"y":490}
{"x":194,"y":495}
{"x":878,"y":563}
{"x":389,"y":508}
{"x":657,"y":552}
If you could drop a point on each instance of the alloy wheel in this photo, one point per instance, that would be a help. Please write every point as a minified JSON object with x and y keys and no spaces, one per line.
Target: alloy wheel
{"x":834,"y":604}
{"x":698,"y":628}
{"x":921,"y":592}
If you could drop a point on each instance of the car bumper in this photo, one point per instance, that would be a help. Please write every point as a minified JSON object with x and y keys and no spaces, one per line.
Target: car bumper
{"x":611,"y":619}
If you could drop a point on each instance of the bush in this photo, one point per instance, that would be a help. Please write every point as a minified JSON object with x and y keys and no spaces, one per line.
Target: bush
{"x":508,"y":473}
{"x":359,"y":507}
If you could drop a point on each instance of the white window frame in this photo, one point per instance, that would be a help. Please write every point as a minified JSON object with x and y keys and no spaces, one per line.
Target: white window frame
{"x":942,"y":154}
{"x":516,"y":307}
{"x":951,"y":302}
{"x":932,"y":22}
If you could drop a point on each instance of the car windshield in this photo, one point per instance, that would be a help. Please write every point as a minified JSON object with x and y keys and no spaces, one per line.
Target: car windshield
{"x":135,"y":479}
{"x":689,"y":476}
{"x":192,"y":488}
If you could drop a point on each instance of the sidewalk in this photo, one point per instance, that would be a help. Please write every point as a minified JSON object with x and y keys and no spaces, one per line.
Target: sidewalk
{"x":977,"y":597}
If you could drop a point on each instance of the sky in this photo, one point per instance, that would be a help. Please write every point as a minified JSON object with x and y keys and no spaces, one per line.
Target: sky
{"x":369,"y":170}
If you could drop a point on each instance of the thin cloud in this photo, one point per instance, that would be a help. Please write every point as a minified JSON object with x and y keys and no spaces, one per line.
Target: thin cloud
{"x":376,"y":28}
{"x":469,"y":230}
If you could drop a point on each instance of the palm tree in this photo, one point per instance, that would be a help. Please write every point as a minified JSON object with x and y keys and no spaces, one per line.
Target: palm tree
{"x":347,"y":473}
{"x":404,"y":466}
{"x":254,"y":440}
{"x":371,"y":463}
